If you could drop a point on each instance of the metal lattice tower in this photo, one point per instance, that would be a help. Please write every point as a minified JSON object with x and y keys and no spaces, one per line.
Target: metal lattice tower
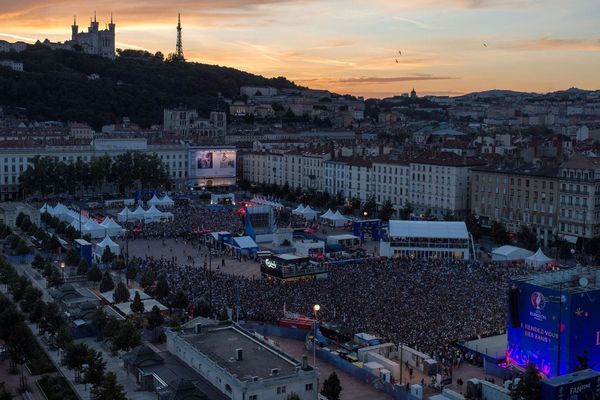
{"x":179,"y":46}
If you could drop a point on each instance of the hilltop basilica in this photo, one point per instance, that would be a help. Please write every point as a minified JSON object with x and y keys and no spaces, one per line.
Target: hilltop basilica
{"x":94,"y":41}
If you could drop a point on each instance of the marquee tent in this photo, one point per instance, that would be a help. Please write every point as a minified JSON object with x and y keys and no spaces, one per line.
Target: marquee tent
{"x":166,"y":201}
{"x":327,"y":215}
{"x":299,"y":210}
{"x":138,"y":214}
{"x":111,"y":227}
{"x":94,"y":229}
{"x":338,"y":219}
{"x":46,"y":208}
{"x":309,"y":213}
{"x":153,"y":214}
{"x":107,"y":242}
{"x":124,"y":214}
{"x":510,"y":253}
{"x":154,"y":201}
{"x":538,"y":259}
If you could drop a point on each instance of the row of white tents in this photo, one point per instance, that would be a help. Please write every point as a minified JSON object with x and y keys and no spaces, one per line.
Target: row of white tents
{"x":152,"y":214}
{"x":87,"y":226}
{"x":267,"y":201}
{"x":331,"y":218}
{"x":509,"y":253}
{"x":166,"y":201}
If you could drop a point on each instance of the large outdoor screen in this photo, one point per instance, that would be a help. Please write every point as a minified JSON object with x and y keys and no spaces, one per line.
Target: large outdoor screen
{"x":212,"y":163}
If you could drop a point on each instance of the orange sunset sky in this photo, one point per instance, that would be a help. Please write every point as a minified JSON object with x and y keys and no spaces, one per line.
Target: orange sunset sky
{"x":351,"y":46}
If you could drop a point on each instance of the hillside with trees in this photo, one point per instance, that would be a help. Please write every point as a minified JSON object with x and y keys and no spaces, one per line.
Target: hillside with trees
{"x":60,"y":85}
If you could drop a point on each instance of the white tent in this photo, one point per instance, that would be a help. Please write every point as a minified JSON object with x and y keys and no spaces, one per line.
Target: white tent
{"x":166,"y":201}
{"x":60,"y":211}
{"x":327,"y":214}
{"x":153,"y":215}
{"x":124,"y":214}
{"x":154,"y":201}
{"x":139,"y":213}
{"x":538,"y":259}
{"x":94,"y":229}
{"x":111,"y":227}
{"x":338,"y":219}
{"x":299,"y":210}
{"x":107,"y":242}
{"x":510,"y":253}
{"x":45,"y":208}
{"x":79,"y":222}
{"x":309,"y":213}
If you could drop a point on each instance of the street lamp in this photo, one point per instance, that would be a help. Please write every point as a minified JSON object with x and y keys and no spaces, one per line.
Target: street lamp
{"x":62,"y":270}
{"x":316,"y":309}
{"x":365,"y":214}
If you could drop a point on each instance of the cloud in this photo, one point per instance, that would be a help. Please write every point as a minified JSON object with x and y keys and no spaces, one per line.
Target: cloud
{"x":547,"y":43}
{"x":416,"y":23}
{"x":379,"y":79}
{"x":18,"y":37}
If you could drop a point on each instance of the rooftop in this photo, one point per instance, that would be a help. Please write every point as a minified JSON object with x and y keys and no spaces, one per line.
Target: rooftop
{"x":258,"y":359}
{"x":429,"y":229}
{"x":526,"y":169}
{"x":573,"y":280}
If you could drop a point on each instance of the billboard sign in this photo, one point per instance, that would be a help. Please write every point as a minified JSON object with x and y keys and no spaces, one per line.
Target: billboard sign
{"x":212,"y":163}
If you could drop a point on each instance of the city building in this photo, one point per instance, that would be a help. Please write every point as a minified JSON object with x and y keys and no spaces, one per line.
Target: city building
{"x":427,"y":239}
{"x":95,"y":41}
{"x":14,"y":65}
{"x":579,"y":180}
{"x":439,"y":183}
{"x":186,"y":122}
{"x":241,"y":365}
{"x":522,"y":196}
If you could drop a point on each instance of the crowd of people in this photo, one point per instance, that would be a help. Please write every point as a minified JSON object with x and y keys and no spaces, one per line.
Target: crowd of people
{"x":425,"y":304}
{"x":189,"y":222}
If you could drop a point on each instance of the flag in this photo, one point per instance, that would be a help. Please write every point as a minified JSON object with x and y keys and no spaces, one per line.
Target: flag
{"x":84,"y":213}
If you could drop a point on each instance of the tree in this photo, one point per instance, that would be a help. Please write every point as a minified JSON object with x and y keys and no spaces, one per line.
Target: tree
{"x":51,"y":321}
{"x":63,"y":336}
{"x":332,"y":387}
{"x":36,"y":313}
{"x":93,"y":373}
{"x":107,"y":283}
{"x":387,"y":210}
{"x":499,"y":233}
{"x":528,"y":387}
{"x":131,"y":272}
{"x":180,"y":300}
{"x":223,"y":316}
{"x":406,"y":211}
{"x":473,"y":226}
{"x":38,"y":261}
{"x":162,"y":287}
{"x":94,"y":274}
{"x":99,"y":320}
{"x":111,"y":327}
{"x":202,"y":308}
{"x":72,"y":258}
{"x":19,"y":344}
{"x":527,"y":238}
{"x":30,"y":297}
{"x":147,"y":279}
{"x":107,"y":255}
{"x":126,"y":338}
{"x":75,"y":356}
{"x":82,"y":267}
{"x":368,"y":209}
{"x":121,"y":293}
{"x":137,"y":306}
{"x":109,"y":389}
{"x":55,"y":278}
{"x":155,"y":321}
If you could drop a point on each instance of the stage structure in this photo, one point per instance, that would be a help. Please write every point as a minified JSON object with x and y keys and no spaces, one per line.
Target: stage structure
{"x":554,"y":320}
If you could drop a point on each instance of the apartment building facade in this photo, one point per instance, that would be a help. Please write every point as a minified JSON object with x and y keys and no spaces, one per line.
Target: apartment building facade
{"x":579,"y":180}
{"x":516,"y":197}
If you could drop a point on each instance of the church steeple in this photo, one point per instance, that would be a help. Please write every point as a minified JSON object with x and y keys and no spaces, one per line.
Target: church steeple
{"x":74,"y":28}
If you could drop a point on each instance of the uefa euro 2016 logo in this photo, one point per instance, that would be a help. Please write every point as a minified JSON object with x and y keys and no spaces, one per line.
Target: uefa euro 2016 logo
{"x":538,"y":300}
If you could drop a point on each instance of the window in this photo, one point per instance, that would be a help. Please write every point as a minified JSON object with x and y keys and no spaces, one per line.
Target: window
{"x":308,"y":387}
{"x":280,"y":389}
{"x":253,"y":397}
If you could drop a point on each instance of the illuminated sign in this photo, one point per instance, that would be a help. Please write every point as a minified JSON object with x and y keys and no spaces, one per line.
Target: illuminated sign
{"x":212,"y":163}
{"x":270,"y":264}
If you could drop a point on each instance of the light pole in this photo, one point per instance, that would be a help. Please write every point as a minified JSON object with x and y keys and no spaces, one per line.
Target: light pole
{"x":62,"y":270}
{"x":316,"y":309}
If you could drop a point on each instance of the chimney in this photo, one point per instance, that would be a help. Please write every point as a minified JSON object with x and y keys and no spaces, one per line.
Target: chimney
{"x":198,"y":328}
{"x":304,"y":363}
{"x":238,"y":354}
